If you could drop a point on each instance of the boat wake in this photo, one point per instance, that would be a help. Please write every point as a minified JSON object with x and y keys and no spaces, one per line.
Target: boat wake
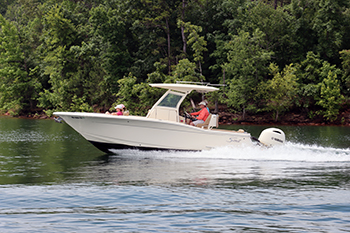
{"x":287,"y":152}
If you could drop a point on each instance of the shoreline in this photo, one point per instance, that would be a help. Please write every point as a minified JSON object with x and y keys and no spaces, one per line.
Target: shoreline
{"x":291,"y":119}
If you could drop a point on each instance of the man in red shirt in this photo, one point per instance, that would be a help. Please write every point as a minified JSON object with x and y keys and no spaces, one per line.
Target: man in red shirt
{"x":202,"y":114}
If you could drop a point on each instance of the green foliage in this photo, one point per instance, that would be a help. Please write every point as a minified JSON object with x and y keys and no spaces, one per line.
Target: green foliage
{"x":311,"y":72}
{"x":158,"y":75}
{"x":79,"y":55}
{"x":76,"y":78}
{"x":331,"y":98}
{"x":16,"y":85}
{"x":79,"y":105}
{"x":280,"y":91}
{"x":327,"y":24}
{"x":247,"y":59}
{"x":136,"y":97}
{"x":274,"y":23}
{"x":125,"y":94}
{"x":186,"y":71}
{"x":196,"y":41}
{"x":345,"y":56}
{"x":60,"y":35}
{"x":310,"y":69}
{"x":320,"y":26}
{"x":108,"y":29}
{"x":157,"y":15}
{"x":237,"y":96}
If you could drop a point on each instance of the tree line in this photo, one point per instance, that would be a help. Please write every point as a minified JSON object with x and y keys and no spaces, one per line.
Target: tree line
{"x":273,"y":56}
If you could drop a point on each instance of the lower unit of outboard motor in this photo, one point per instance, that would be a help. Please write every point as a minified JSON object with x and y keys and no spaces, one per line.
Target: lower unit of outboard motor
{"x":272,"y":137}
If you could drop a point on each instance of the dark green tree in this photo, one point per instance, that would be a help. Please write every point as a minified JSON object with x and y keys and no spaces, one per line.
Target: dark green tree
{"x":158,"y":15}
{"x":110,"y":39}
{"x":61,"y":62}
{"x":345,"y":56}
{"x":312,"y":72}
{"x":320,"y":26}
{"x":246,"y":67}
{"x":280,"y":91}
{"x":330,"y":98}
{"x":4,"y":4}
{"x":17,"y":85}
{"x":275,"y":24}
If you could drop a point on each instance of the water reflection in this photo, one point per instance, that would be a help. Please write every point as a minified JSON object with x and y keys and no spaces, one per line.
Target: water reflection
{"x":325,"y":136}
{"x":39,"y":151}
{"x":144,"y":168}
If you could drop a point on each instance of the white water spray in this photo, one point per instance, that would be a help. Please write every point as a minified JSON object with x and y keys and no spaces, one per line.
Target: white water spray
{"x":288,"y":152}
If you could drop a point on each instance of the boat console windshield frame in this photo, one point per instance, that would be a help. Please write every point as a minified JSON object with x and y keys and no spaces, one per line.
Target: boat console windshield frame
{"x":167,"y":107}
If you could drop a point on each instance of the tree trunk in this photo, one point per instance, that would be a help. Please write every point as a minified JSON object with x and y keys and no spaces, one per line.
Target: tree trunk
{"x":276,"y":117}
{"x":169,"y":48}
{"x":243,"y":115}
{"x":184,"y":48}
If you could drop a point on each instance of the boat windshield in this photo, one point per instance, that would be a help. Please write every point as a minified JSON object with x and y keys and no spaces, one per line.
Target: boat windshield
{"x":171,"y":100}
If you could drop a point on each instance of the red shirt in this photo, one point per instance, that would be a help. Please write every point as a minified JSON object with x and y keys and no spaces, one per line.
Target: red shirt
{"x":202,"y":114}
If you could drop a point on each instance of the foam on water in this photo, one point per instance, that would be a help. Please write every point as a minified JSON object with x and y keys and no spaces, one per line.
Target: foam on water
{"x":288,"y":152}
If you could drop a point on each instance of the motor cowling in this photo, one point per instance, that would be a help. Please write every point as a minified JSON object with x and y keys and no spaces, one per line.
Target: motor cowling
{"x":272,"y":137}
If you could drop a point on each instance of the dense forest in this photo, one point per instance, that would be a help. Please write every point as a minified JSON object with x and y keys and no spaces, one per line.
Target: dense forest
{"x":276,"y":57}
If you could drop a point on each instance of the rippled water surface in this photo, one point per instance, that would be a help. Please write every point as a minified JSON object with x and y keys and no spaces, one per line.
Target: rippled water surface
{"x":52,"y":180}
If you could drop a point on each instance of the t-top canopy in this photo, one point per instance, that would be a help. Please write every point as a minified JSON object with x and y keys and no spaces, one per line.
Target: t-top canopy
{"x":184,"y":87}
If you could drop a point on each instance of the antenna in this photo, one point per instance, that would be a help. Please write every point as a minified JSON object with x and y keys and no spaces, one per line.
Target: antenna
{"x":202,"y":83}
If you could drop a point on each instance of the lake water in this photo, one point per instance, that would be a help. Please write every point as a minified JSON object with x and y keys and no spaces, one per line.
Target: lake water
{"x":52,"y":180}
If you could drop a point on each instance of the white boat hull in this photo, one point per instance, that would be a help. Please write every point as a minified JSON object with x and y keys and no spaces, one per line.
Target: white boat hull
{"x":118,"y":132}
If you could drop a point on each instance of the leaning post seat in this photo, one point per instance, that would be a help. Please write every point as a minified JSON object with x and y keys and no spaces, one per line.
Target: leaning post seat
{"x":206,"y":122}
{"x":214,"y":121}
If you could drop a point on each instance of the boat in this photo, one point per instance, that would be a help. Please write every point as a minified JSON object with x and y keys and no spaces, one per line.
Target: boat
{"x":164,"y":128}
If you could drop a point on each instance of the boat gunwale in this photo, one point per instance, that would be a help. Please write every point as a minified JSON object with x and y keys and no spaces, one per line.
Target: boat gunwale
{"x":145,"y":119}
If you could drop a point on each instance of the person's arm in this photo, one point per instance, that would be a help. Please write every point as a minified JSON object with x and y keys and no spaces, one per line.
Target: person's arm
{"x":195,"y":113}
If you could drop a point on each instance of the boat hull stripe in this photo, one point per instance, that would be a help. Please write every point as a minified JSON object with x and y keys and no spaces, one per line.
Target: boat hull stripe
{"x":106,"y":147}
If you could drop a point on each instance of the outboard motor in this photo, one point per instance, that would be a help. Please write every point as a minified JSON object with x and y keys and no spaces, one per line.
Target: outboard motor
{"x":272,"y":137}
